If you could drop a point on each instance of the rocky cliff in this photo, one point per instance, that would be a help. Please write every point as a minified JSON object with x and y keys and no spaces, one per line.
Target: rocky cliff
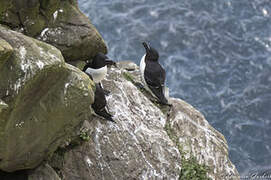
{"x":47,"y":125}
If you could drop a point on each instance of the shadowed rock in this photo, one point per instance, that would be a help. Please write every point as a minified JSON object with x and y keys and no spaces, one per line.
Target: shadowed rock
{"x":43,"y":172}
{"x":43,"y":97}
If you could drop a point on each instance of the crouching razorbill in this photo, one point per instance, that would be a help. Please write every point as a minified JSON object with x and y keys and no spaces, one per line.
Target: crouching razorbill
{"x":99,"y":105}
{"x":153,"y":74}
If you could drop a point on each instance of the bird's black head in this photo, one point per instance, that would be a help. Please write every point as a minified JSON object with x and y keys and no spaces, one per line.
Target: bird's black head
{"x":99,"y":61}
{"x":151,"y":53}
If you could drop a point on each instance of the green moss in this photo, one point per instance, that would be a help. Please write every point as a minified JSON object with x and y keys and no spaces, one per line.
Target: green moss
{"x":128,"y":77}
{"x":191,"y":169}
{"x":84,"y":135}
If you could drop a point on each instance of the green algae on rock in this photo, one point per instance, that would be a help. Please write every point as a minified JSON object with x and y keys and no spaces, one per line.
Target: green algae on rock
{"x":3,"y":106}
{"x":5,"y":51}
{"x":59,"y":23}
{"x":46,"y":99}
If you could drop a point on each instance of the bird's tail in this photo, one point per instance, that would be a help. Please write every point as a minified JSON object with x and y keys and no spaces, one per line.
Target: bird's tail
{"x":163,"y":100}
{"x":105,"y":114}
{"x":159,"y":93}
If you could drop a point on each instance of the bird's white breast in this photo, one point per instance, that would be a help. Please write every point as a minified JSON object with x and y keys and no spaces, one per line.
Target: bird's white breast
{"x":166,"y":92}
{"x":142,"y":68}
{"x":97,"y":74}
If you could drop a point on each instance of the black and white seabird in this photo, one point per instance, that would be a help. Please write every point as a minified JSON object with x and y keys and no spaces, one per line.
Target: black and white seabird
{"x":99,"y":105}
{"x":153,"y":74}
{"x":98,"y":67}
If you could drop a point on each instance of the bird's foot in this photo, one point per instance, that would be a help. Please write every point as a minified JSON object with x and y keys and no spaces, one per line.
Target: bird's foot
{"x":139,"y":85}
{"x":106,"y":92}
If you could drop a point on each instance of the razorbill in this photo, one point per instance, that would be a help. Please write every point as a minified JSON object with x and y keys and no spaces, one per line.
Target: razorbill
{"x":98,"y":67}
{"x":99,"y":105}
{"x":153,"y":74}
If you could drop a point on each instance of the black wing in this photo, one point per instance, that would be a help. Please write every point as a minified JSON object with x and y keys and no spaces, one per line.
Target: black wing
{"x":155,"y":76}
{"x":100,"y":103}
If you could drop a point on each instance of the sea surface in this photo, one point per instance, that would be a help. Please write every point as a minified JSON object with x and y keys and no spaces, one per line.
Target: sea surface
{"x":217,"y":55}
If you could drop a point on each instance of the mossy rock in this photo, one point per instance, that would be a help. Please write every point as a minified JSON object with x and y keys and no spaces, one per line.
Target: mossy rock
{"x":46,"y":99}
{"x":49,"y":7}
{"x":5,"y":51}
{"x":57,"y":22}
{"x":72,"y":32}
{"x":4,"y":6}
{"x":3,"y":105}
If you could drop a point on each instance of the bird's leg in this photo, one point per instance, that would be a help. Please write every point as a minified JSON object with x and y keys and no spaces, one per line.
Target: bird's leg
{"x":139,"y":85}
{"x":106,"y":92}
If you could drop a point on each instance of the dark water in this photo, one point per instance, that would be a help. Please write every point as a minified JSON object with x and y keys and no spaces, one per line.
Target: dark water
{"x":217,"y":54}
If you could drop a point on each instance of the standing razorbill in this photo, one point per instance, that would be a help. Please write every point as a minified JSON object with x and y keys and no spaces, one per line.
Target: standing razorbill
{"x":98,"y":67}
{"x":153,"y":75}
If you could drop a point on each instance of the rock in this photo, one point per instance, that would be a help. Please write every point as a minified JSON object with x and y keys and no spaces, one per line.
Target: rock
{"x":43,"y":172}
{"x":57,"y":22}
{"x":136,"y":147}
{"x":18,"y":175}
{"x":30,"y":17}
{"x":78,"y":64}
{"x":145,"y":143}
{"x":5,"y":51}
{"x":8,"y":15}
{"x":73,"y":33}
{"x":3,"y":105}
{"x":128,"y":65}
{"x":199,"y":139}
{"x":46,"y":99}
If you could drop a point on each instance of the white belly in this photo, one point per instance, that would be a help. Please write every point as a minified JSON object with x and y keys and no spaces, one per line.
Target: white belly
{"x":97,"y":74}
{"x":142,"y":68}
{"x":166,"y":92}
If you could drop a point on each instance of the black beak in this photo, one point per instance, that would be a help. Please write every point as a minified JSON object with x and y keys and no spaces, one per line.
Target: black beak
{"x":146,"y":46}
{"x":110,"y":62}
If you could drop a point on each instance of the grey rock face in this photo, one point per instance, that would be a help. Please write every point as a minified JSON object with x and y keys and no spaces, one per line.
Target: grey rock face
{"x":40,"y":94}
{"x":140,"y":144}
{"x":200,"y":140}
{"x":136,"y":147}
